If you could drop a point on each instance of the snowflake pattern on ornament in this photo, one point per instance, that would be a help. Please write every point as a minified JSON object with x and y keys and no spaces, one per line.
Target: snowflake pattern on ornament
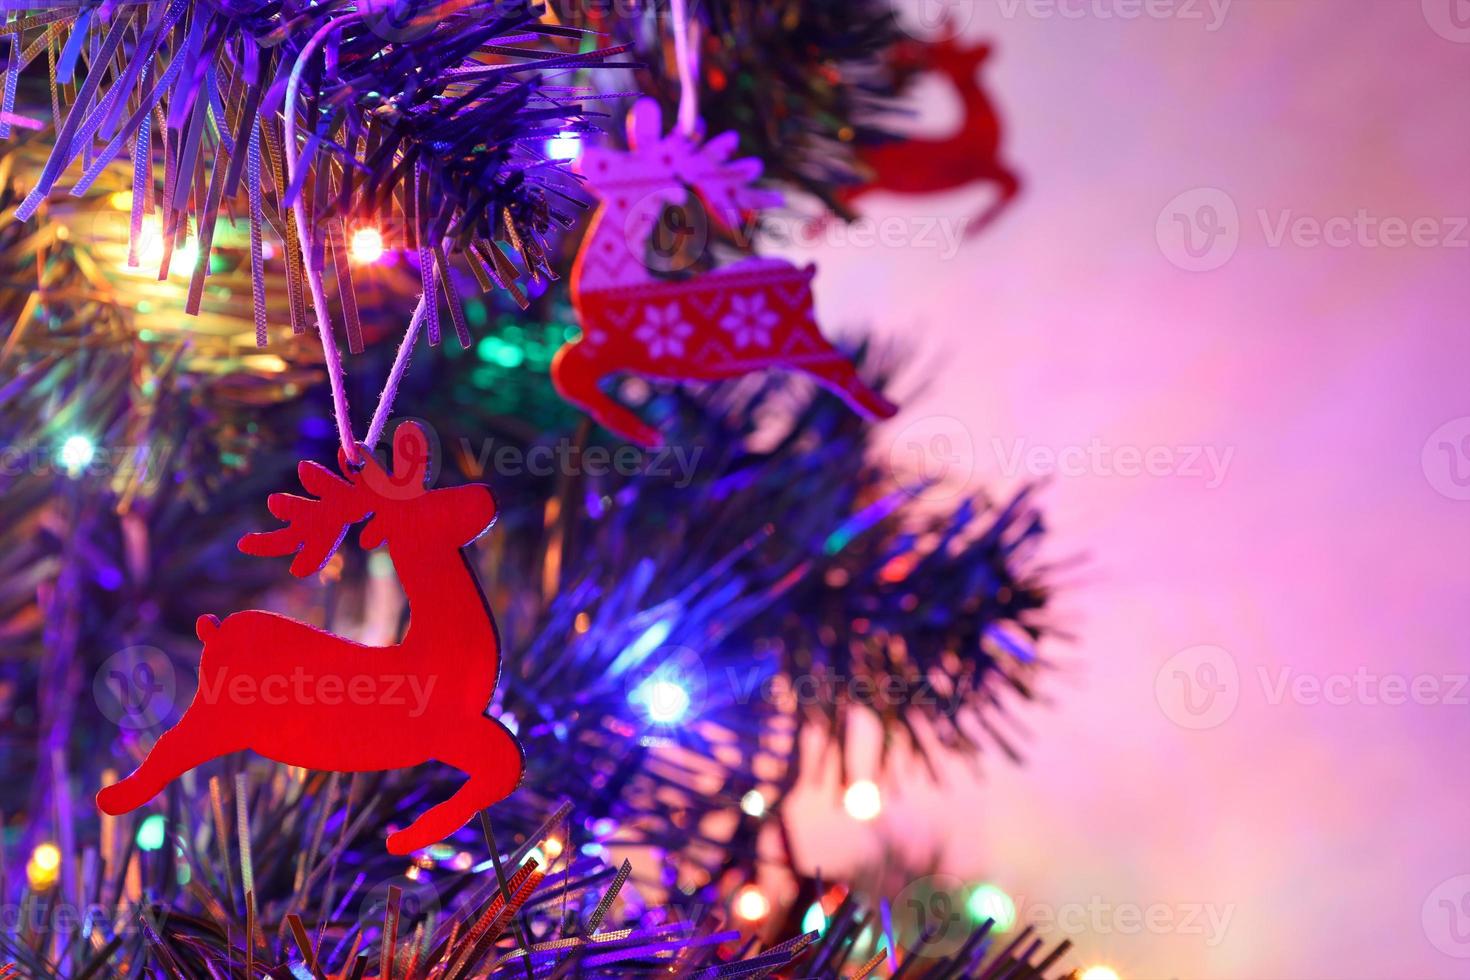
{"x":664,"y":332}
{"x":749,"y":320}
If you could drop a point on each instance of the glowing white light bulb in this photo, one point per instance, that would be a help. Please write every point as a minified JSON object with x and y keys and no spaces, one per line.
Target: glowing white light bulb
{"x":862,"y":800}
{"x":563,"y":146}
{"x":753,"y":803}
{"x":76,"y":454}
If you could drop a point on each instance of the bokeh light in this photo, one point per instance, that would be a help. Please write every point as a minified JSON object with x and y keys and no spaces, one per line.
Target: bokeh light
{"x":751,"y":904}
{"x":662,"y":700}
{"x":862,"y":800}
{"x":76,"y":454}
{"x":44,"y":866}
{"x":753,"y":803}
{"x":1100,"y":972}
{"x":366,"y":246}
{"x":563,"y":146}
{"x":991,"y":902}
{"x":815,"y":919}
{"x":150,"y":834}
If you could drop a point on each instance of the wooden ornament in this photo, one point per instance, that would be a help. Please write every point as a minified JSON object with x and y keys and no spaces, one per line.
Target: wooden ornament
{"x":305,"y":697}
{"x":748,"y":316}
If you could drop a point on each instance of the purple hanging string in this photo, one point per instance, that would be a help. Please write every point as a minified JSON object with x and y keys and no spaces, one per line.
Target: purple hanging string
{"x":400,"y":364}
{"x":314,"y":275}
{"x":687,"y":56}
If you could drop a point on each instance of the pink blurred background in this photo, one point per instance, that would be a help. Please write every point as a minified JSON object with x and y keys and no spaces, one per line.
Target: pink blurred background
{"x":1265,"y":832}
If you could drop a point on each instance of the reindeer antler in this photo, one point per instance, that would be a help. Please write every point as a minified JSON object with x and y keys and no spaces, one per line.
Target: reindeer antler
{"x":724,"y":183}
{"x":727,"y":184}
{"x":316,"y":525}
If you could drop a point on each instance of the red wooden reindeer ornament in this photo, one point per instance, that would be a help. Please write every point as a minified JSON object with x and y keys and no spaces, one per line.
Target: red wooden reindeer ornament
{"x":748,"y":316}
{"x":307,"y":698}
{"x":971,"y":155}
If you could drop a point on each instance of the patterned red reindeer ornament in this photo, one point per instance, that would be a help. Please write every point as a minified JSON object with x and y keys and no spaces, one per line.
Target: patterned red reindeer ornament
{"x":304,"y":697}
{"x":748,"y":316}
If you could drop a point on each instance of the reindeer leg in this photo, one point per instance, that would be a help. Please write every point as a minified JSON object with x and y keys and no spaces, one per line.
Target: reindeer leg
{"x":840,"y":377}
{"x":1008,"y":185}
{"x":576,"y":379}
{"x":494,"y":762}
{"x":192,"y":742}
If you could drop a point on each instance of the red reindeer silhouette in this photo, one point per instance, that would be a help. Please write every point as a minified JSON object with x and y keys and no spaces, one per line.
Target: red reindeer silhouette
{"x":305,"y":697}
{"x":754,"y":314}
{"x":970,"y":156}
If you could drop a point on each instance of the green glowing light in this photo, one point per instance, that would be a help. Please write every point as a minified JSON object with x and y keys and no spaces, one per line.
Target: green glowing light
{"x":475,"y":313}
{"x":497,"y":351}
{"x":151,"y":833}
{"x":990,"y":902}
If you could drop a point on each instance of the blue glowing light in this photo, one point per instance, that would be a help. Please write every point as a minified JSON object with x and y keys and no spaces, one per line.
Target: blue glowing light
{"x":637,"y":651}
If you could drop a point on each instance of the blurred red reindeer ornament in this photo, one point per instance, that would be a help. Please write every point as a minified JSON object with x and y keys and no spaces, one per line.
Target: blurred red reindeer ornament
{"x":307,"y":698}
{"x":748,"y":316}
{"x":970,"y":155}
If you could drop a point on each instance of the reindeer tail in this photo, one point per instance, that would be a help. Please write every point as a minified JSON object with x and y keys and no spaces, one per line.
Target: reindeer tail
{"x":205,"y":627}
